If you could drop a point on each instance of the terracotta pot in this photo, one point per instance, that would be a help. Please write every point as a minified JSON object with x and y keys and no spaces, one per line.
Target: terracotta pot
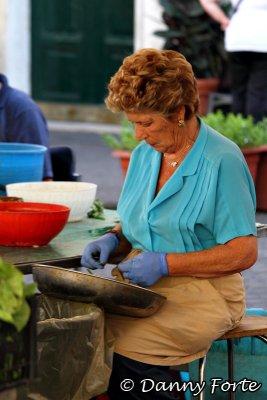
{"x":205,"y":88}
{"x":252,"y":156}
{"x":124,"y":157}
{"x":261,"y":182}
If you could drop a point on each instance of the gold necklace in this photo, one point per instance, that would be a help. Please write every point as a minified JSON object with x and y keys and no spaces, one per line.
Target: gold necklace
{"x":176,"y":162}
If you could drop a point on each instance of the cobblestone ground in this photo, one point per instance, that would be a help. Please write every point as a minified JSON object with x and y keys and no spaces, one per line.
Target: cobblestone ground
{"x":95,"y":163}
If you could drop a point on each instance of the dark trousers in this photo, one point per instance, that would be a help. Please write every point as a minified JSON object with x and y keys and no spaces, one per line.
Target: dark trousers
{"x":125,"y":369}
{"x":63,"y":163}
{"x":249,"y":83}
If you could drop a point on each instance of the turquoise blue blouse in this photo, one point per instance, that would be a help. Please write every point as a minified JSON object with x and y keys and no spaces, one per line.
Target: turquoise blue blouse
{"x":209,"y":200}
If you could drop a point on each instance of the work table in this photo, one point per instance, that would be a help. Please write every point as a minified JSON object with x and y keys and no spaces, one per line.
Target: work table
{"x":69,"y":243}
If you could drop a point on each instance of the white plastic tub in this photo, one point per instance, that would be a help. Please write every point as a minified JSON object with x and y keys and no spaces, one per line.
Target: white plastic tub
{"x":79,"y":196}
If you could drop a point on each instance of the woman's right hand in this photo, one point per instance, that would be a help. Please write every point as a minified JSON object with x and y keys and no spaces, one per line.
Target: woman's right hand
{"x":97,"y":253}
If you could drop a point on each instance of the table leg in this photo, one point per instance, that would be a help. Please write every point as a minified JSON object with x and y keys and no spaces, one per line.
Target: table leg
{"x":230,"y":355}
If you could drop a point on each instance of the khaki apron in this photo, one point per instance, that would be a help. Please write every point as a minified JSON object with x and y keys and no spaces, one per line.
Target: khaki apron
{"x":197,"y":311}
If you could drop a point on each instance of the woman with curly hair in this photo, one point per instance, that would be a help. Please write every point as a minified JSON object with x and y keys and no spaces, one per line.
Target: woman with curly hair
{"x":187,"y":218}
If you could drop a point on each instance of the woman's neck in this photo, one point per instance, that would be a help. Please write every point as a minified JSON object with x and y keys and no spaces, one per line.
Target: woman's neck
{"x":189,"y":137}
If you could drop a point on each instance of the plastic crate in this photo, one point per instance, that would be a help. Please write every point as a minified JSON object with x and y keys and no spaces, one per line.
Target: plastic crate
{"x":250,"y":360}
{"x":18,"y":352}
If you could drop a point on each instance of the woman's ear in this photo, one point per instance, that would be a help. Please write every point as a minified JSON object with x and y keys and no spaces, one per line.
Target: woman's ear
{"x":181,"y":113}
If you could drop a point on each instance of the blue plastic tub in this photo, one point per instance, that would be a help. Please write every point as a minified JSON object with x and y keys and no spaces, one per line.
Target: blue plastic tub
{"x":20,"y":162}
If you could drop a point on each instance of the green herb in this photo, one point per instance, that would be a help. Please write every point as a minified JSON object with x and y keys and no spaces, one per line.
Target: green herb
{"x":96,"y":232}
{"x":14,"y":308}
{"x":97,"y":210}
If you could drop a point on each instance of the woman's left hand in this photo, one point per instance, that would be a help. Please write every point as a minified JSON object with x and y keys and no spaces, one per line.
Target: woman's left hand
{"x":145,"y":269}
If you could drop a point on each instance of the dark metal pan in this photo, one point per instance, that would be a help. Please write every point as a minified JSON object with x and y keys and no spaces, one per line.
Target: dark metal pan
{"x":114,"y":296}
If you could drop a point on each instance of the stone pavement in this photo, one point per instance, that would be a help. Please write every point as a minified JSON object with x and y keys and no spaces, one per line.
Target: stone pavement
{"x":95,"y":163}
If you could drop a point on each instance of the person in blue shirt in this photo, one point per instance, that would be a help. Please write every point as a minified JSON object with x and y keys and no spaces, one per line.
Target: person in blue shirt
{"x":22,"y":121}
{"x":187,"y":220}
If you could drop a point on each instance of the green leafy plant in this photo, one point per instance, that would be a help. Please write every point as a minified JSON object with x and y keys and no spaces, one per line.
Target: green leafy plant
{"x":124,"y":141}
{"x":194,"y":34}
{"x":241,"y":130}
{"x":14,"y":308}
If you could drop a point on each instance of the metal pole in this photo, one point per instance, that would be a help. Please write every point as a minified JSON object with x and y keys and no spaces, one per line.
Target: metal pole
{"x":201,"y":366}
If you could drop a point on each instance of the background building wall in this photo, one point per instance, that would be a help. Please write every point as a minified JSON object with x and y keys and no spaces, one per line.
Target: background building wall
{"x":15,"y":36}
{"x":147,"y":21}
{"x":15,"y":42}
{"x":18,"y":44}
{"x":3,"y":23}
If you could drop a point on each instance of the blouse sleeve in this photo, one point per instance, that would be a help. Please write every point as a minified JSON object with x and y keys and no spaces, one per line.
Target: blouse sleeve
{"x":235,"y":201}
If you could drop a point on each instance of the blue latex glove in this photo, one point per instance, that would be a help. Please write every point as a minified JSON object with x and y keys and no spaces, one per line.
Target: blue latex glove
{"x":96,"y":253}
{"x":145,"y":269}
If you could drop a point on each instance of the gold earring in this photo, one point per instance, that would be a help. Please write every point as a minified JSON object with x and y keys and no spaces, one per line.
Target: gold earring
{"x":181,"y":123}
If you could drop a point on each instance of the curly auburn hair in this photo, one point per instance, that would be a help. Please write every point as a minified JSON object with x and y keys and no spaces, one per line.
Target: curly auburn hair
{"x":156,"y":81}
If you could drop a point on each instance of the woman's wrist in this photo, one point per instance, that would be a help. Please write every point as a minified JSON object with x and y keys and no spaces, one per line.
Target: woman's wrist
{"x":123,"y":247}
{"x":164,"y":264}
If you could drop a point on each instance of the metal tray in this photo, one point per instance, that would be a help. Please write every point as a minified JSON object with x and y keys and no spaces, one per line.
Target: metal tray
{"x":114,"y":296}
{"x":65,"y":262}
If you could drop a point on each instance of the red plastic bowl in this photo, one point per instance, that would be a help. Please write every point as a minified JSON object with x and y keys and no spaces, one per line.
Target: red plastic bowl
{"x":30,"y":224}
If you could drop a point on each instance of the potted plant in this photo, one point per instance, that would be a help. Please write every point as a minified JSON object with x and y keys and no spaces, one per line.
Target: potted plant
{"x":261,"y":181}
{"x":123,"y":144}
{"x":194,"y":34}
{"x":17,"y":329}
{"x":252,"y":139}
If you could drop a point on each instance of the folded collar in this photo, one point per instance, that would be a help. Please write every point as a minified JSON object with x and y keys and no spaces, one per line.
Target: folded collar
{"x":175,"y":182}
{"x":190,"y":163}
